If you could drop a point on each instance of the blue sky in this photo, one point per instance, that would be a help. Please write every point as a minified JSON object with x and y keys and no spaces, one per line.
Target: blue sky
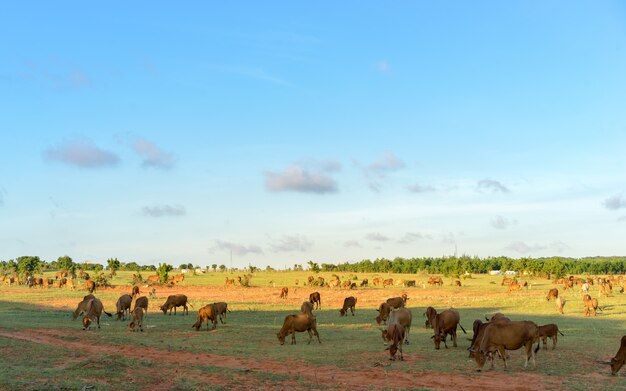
{"x":288,"y":131}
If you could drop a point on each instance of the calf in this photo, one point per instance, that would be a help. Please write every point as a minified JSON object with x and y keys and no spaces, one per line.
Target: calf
{"x":499,"y":337}
{"x":348,"y":303}
{"x":430,"y":316}
{"x":316,"y":299}
{"x":548,"y":331}
{"x":284,"y":292}
{"x":93,"y":310}
{"x":137,"y":316}
{"x":383,"y":313}
{"x":395,"y":335}
{"x":445,"y":324}
{"x":206,"y":313}
{"x":174,"y":301}
{"x":404,"y":318}
{"x":142,"y":303}
{"x":220,"y":309}
{"x":298,"y":323}
{"x":123,"y":306}
{"x":552,"y":294}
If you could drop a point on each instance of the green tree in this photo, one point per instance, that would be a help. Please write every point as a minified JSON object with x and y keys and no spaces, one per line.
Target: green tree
{"x":183,"y":266}
{"x":66,"y":264}
{"x":222,"y":268}
{"x":163,"y":271}
{"x":214,"y":266}
{"x":314,"y":267}
{"x":113,"y":264}
{"x":28,"y":265}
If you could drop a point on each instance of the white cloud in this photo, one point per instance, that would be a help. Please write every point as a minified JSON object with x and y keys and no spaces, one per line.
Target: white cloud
{"x":164,"y":210}
{"x":298,"y":179}
{"x":351,"y":243}
{"x":615,"y":202}
{"x":152,"y":155}
{"x":492,"y":186}
{"x":411,"y":237}
{"x":500,"y":222}
{"x":81,"y":153}
{"x":417,"y":188}
{"x":291,"y":243}
{"x":523,"y":248}
{"x":376,"y":237}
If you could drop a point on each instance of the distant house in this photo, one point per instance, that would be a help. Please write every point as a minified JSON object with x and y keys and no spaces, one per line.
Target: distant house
{"x":200,"y":270}
{"x":494,"y":273}
{"x":510,"y":272}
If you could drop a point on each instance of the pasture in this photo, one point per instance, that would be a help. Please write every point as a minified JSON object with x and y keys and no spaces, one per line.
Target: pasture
{"x":41,"y":347}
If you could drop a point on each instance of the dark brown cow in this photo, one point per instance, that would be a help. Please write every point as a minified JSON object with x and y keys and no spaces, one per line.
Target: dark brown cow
{"x":206,"y":313}
{"x":220,"y":309}
{"x":90,"y":285}
{"x":364,"y":282}
{"x":135,"y":291}
{"x":284,"y":292}
{"x":457,"y":283}
{"x":123,"y":306}
{"x":430,"y":317}
{"x":383,"y":313}
{"x":395,"y":335}
{"x":298,"y":323}
{"x":316,"y":298}
{"x":549,"y":331}
{"x":499,"y":337}
{"x":620,"y":357}
{"x":397,"y":302}
{"x":353,"y":285}
{"x":307,"y":308}
{"x":142,"y":303}
{"x":174,"y":301}
{"x":93,"y":310}
{"x":348,"y":303}
{"x":137,"y":316}
{"x":552,"y":294}
{"x":62,"y":282}
{"x":445,"y":324}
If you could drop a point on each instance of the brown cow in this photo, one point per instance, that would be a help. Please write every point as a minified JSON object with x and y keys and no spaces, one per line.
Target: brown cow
{"x":377,"y":281}
{"x":307,"y":308}
{"x":404,"y":318}
{"x":93,"y":310}
{"x":549,"y":331}
{"x":591,"y":305}
{"x":515,"y":286}
{"x":142,"y":303}
{"x":457,"y":283}
{"x":552,"y":294}
{"x":410,"y":283}
{"x":137,"y":315}
{"x":383,"y":313}
{"x":153,"y":279}
{"x":206,"y":313}
{"x":506,"y":281}
{"x":348,"y":303}
{"x":499,"y":337}
{"x":364,"y":283}
{"x":179,"y":278}
{"x":445,"y":323}
{"x":298,"y":323}
{"x":230,"y":281}
{"x":316,"y":299}
{"x":174,"y":301}
{"x":395,"y":334}
{"x":346,"y":284}
{"x":497,"y":317}
{"x":90,"y":285}
{"x":123,"y":306}
{"x":560,"y":303}
{"x":620,"y":357}
{"x":82,"y":306}
{"x":284,"y":292}
{"x":70,"y":284}
{"x":220,"y":309}
{"x":333,"y":283}
{"x":62,"y":282}
{"x":135,"y":291}
{"x":387,"y":282}
{"x":430,"y":317}
{"x":397,"y":302}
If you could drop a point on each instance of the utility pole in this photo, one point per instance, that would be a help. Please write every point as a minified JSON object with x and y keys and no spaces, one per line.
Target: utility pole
{"x":231,"y":259}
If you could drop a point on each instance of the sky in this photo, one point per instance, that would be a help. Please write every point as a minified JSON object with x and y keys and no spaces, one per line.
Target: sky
{"x":280,"y":132}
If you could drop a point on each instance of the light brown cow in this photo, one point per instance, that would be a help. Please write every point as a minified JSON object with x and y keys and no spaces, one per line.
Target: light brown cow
{"x":549,"y":331}
{"x":514,"y":287}
{"x":499,"y":337}
{"x":82,"y":306}
{"x":506,"y":281}
{"x":430,"y":317}
{"x":445,"y":324}
{"x":397,"y":302}
{"x":560,"y":303}
{"x":395,"y":335}
{"x":298,"y":323}
{"x":230,"y":281}
{"x":220,"y":309}
{"x":348,"y":303}
{"x":93,"y":310}
{"x":591,"y":305}
{"x":404,"y":318}
{"x":377,"y":281}
{"x":153,"y":279}
{"x":123,"y":306}
{"x":346,"y":284}
{"x":90,"y":285}
{"x":457,"y":283}
{"x":284,"y":292}
{"x":307,"y":308}
{"x":387,"y":282}
{"x":142,"y":302}
{"x":137,"y":319}
{"x":206,"y":313}
{"x":552,"y":294}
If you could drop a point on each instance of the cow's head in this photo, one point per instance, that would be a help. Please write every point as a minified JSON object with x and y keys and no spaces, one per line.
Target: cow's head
{"x":342,"y":312}
{"x":427,"y":324}
{"x":393,"y":349}
{"x":86,"y":322}
{"x":438,"y":338}
{"x":379,"y":319}
{"x":164,"y":309}
{"x":132,"y":326}
{"x":480,"y":358}
{"x":616,"y":365}
{"x":281,"y":338}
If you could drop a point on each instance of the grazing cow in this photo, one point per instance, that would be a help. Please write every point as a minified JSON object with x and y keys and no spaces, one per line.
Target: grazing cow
{"x":142,"y":303}
{"x":435,"y":281}
{"x":174,"y":301}
{"x":206,"y":313}
{"x":230,"y":281}
{"x":82,"y":306}
{"x":58,"y":275}
{"x":93,"y":310}
{"x":320,"y":281}
{"x":499,"y":337}
{"x":383,"y":313}
{"x":137,"y":315}
{"x":445,"y":324}
{"x":497,"y":317}
{"x":220,"y":309}
{"x":70,"y":284}
{"x":591,"y":305}
{"x":334,"y":283}
{"x":457,"y":283}
{"x":348,"y":303}
{"x":153,"y":279}
{"x":399,"y":282}
{"x":567,"y":284}
{"x":284,"y":292}
{"x":395,"y":335}
{"x":514,"y":287}
{"x":387,"y":282}
{"x":430,"y":317}
{"x":123,"y":306}
{"x":410,"y":283}
{"x":353,"y":285}
{"x":316,"y":299}
{"x":620,"y":357}
{"x":307,"y":308}
{"x":364,"y":283}
{"x":549,"y":331}
{"x":404,"y":318}
{"x":560,"y":303}
{"x":90,"y":285}
{"x":135,"y":291}
{"x":310,"y":280}
{"x":34,"y":281}
{"x":377,"y":281}
{"x":298,"y":323}
{"x":346,"y":284}
{"x":62,"y":282}
{"x":398,"y":302}
{"x":552,"y":294}
{"x":506,"y":281}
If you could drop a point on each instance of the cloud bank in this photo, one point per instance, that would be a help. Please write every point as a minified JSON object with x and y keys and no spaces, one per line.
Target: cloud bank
{"x":297,"y":178}
{"x":81,"y":153}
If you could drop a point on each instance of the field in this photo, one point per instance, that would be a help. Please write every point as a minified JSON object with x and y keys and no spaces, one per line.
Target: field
{"x":41,"y":347}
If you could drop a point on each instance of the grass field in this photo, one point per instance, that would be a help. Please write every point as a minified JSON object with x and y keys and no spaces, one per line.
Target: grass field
{"x":42,"y":348}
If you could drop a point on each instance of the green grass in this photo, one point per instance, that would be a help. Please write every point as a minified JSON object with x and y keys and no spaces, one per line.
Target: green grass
{"x":348,"y":343}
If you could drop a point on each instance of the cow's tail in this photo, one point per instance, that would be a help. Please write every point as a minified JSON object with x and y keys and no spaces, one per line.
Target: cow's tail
{"x":228,"y":310}
{"x":462,"y":328}
{"x":189,"y":304}
{"x":537,"y":348}
{"x":561,"y":333}
{"x":108,"y":314}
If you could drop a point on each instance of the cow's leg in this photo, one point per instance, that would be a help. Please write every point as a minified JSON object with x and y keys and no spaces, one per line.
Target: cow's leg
{"x":406,"y":335}
{"x":503,"y":354}
{"x":554,"y":340}
{"x":317,"y":335}
{"x":400,"y":349}
{"x":454,"y":338}
{"x":352,"y":309}
{"x":98,"y":320}
{"x":545,"y":342}
{"x":310,"y":336}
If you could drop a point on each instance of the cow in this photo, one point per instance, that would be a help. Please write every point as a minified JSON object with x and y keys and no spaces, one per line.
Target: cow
{"x":549,"y":331}
{"x":506,"y":281}
{"x":560,"y":303}
{"x":353,"y":285}
{"x":591,"y":306}
{"x":142,"y":302}
{"x":174,"y":301}
{"x":404,"y":318}
{"x":497,"y":317}
{"x":34,"y":281}
{"x":383,"y":313}
{"x":399,"y":282}
{"x":135,"y":291}
{"x":229,"y":281}
{"x":364,"y":283}
{"x":284,"y":292}
{"x":153,"y":279}
{"x":93,"y":310}
{"x":82,"y":306}
{"x":514,"y":287}
{"x":457,"y":283}
{"x":220,"y":309}
{"x":307,"y":308}
{"x":298,"y":323}
{"x":70,"y":284}
{"x":316,"y":299}
{"x":387,"y":282}
{"x":179,"y":278}
{"x":310,"y":280}
{"x":334,"y":283}
{"x":438,"y":281}
{"x":320,"y":281}
{"x":58,"y":275}
{"x":397,"y":302}
{"x":395,"y":334}
{"x":90,"y":285}
{"x":348,"y":303}
{"x":410,"y":283}
{"x":346,"y":284}
{"x":499,"y":337}
{"x":567,"y":284}
{"x":123,"y":306}
{"x":377,"y":281}
{"x":445,"y":323}
{"x":552,"y":294}
{"x":620,"y":357}
{"x":62,"y":282}
{"x":137,"y":316}
{"x":206,"y":313}
{"x":430,"y":316}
